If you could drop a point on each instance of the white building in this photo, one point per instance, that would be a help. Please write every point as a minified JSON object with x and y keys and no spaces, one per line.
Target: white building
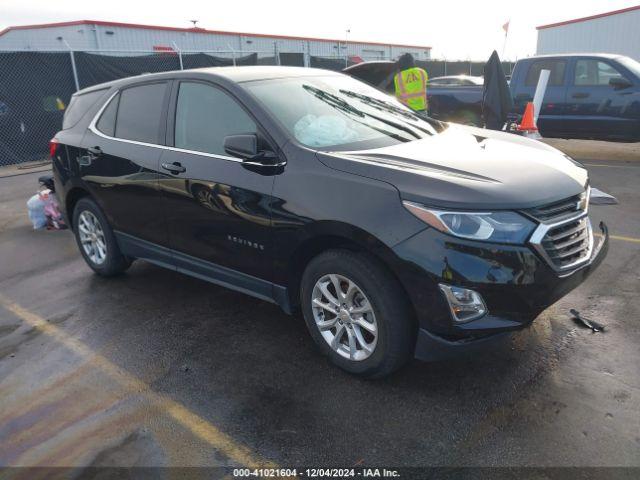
{"x":612,"y":32}
{"x":99,"y":36}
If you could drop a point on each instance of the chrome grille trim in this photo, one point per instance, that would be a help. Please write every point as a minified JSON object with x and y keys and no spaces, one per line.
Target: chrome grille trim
{"x":562,"y":209}
{"x":553,"y":253}
{"x":556,"y":209}
{"x":555,"y":245}
{"x":564,"y":242}
{"x":563,"y":234}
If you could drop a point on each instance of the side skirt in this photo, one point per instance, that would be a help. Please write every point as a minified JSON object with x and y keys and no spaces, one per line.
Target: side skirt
{"x":210,"y":272}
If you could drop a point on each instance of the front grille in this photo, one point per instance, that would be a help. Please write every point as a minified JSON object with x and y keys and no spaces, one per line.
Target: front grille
{"x":564,"y":237}
{"x":568,"y":244}
{"x":553,"y":212}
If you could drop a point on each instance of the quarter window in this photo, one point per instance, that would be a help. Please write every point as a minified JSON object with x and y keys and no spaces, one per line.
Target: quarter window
{"x":594,"y":73}
{"x":107,"y":122}
{"x":140,"y":113}
{"x":78,"y":107}
{"x":555,"y":66}
{"x":205,"y":115}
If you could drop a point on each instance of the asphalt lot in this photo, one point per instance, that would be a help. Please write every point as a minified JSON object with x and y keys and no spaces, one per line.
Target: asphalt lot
{"x":156,"y":368}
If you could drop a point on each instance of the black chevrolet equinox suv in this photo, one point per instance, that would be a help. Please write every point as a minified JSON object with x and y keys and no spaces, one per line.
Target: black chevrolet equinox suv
{"x":395,"y":235}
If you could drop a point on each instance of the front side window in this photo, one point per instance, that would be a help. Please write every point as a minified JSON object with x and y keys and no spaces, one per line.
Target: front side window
{"x":140,"y":113}
{"x":594,"y":73}
{"x":555,"y":66}
{"x":337,"y":112}
{"x":205,"y":115}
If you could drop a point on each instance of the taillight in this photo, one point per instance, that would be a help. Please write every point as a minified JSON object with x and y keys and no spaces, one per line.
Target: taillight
{"x":53,"y":146}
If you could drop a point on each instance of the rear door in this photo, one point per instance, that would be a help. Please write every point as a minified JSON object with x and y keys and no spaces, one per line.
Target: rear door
{"x":120,"y":161}
{"x":550,"y":120}
{"x":217,"y":208}
{"x":595,"y":109}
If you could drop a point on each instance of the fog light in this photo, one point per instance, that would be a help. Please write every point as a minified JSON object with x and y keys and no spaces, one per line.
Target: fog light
{"x":466,"y":305}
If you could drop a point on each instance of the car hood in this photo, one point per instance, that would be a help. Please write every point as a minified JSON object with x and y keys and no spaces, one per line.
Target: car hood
{"x":466,"y":167}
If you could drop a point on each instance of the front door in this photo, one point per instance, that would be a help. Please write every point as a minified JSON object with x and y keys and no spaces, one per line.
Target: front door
{"x":595,"y":108}
{"x":218,"y":211}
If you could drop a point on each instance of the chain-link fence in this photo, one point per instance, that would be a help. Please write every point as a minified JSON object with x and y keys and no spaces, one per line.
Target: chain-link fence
{"x":35,"y":87}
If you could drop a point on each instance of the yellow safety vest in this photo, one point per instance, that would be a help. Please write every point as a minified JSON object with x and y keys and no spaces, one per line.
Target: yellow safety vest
{"x":411,"y":88}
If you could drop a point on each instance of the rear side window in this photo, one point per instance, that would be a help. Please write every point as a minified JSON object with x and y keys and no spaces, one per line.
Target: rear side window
{"x":78,"y":107}
{"x":140,"y":113}
{"x":107,"y":122}
{"x":205,"y":115}
{"x":555,"y":66}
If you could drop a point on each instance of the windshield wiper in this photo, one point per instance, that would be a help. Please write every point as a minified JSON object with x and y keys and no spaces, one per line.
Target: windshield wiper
{"x":334,"y":100}
{"x":380,"y":104}
{"x":337,"y":103}
{"x":344,"y":105}
{"x":389,"y":107}
{"x":396,"y":125}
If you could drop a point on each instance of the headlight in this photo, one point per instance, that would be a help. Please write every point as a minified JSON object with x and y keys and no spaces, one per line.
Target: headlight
{"x":500,"y":227}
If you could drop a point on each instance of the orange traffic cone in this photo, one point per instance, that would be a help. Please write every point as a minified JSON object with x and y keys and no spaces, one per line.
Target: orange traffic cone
{"x":528,"y":124}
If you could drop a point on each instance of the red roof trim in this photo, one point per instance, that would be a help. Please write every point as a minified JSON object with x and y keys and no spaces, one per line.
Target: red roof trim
{"x":592,"y":17}
{"x":197,"y":30}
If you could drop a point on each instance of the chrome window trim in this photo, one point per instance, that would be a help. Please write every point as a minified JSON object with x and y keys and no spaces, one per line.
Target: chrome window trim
{"x":94,"y":129}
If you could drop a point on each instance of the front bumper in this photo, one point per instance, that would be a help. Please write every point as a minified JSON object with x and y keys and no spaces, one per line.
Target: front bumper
{"x":514,"y":281}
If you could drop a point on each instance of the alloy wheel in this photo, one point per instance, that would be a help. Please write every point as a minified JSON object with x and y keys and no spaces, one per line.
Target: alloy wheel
{"x":92,"y":237}
{"x":344,"y":316}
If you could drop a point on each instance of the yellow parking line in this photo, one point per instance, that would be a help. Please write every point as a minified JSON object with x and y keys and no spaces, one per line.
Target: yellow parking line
{"x":608,"y":166}
{"x":197,"y":425}
{"x":625,"y":239}
{"x":619,"y":237}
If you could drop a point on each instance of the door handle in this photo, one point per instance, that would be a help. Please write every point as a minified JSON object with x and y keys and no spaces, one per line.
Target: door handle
{"x":94,"y":152}
{"x":580,"y":95}
{"x":174,"y":167}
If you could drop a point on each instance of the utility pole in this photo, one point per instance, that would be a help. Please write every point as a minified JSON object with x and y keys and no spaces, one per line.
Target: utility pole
{"x":346,"y":47}
{"x":73,"y":64}
{"x":175,"y":47}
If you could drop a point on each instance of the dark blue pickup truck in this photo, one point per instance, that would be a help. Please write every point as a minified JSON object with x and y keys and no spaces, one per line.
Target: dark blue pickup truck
{"x":593,"y":96}
{"x":588,"y":96}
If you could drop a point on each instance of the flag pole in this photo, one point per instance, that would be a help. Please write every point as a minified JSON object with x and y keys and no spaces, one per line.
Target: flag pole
{"x":504,"y":45}
{"x":505,"y":27}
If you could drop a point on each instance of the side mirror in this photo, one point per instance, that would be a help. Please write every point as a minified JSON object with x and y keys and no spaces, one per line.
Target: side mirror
{"x":241,"y":146}
{"x":245,"y":146}
{"x":619,"y":83}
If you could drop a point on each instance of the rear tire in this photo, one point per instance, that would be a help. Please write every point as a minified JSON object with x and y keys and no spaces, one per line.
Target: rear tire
{"x":370,"y":315}
{"x":96,"y":240}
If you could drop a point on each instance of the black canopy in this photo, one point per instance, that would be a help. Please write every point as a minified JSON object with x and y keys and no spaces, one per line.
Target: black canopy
{"x":496,"y":96}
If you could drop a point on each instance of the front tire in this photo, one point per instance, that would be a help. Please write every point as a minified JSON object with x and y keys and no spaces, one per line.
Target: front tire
{"x":96,"y":240}
{"x":357,"y":313}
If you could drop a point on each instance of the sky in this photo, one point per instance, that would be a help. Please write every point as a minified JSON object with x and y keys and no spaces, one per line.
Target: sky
{"x":458,"y":29}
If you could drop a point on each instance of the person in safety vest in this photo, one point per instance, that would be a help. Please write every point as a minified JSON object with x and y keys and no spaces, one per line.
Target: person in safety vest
{"x":411,"y":84}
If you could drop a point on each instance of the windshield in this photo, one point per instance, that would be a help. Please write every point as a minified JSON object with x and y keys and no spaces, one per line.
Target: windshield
{"x":631,"y":64}
{"x":339,"y":113}
{"x":458,"y":81}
